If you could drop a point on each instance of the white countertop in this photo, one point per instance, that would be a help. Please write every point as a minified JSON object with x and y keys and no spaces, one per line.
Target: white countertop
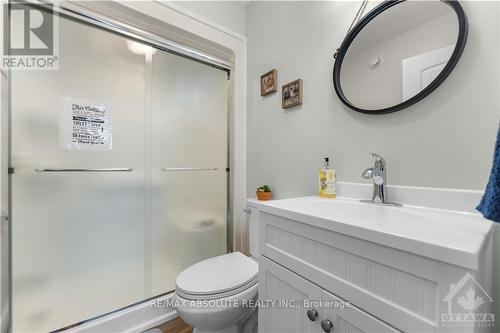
{"x":454,"y":237}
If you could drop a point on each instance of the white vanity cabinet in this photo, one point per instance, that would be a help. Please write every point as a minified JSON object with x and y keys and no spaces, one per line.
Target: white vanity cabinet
{"x":298,"y":297}
{"x":390,"y":288}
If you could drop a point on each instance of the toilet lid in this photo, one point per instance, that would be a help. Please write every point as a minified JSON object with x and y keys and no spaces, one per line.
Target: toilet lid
{"x":217,"y":275}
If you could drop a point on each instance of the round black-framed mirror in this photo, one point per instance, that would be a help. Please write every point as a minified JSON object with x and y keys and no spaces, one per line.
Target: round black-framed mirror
{"x":371,"y":83}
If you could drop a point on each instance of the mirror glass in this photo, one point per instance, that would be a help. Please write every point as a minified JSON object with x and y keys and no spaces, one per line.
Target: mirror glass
{"x":397,"y":54}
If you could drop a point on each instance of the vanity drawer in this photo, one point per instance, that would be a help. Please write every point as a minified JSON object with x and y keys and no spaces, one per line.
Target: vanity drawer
{"x":277,"y":282}
{"x":353,"y":320}
{"x":387,"y":283}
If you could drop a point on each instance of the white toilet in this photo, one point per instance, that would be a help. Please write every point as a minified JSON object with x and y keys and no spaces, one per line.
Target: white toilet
{"x":214,"y":293}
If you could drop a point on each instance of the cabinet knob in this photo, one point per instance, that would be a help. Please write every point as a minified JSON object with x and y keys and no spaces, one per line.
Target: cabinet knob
{"x":326,"y":325}
{"x":312,"y":314}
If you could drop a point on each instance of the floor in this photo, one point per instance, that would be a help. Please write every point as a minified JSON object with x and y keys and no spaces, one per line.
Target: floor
{"x":176,"y":325}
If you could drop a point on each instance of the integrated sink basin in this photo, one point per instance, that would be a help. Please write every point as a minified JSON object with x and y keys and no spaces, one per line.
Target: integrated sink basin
{"x":445,"y":235}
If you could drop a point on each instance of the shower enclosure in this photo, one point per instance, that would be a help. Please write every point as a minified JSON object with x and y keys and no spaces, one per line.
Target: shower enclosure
{"x":119,"y":175}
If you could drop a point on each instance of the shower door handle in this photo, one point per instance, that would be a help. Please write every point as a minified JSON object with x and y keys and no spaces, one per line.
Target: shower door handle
{"x":189,"y":169}
{"x":4,"y":215}
{"x":84,"y":170}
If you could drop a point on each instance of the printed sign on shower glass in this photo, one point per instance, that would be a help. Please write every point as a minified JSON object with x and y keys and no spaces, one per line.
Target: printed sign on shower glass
{"x":85,"y":125}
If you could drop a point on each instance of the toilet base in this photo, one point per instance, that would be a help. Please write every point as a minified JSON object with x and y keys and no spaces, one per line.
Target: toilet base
{"x":247,"y":326}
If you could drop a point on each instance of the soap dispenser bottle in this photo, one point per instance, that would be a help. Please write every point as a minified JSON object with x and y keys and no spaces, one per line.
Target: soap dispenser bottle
{"x":327,"y":180}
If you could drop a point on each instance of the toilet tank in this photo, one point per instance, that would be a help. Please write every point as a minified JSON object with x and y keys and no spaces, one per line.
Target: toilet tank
{"x":253,"y":231}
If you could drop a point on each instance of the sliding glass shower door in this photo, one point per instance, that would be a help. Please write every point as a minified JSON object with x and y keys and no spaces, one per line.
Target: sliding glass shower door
{"x":189,"y":160}
{"x":119,"y":180}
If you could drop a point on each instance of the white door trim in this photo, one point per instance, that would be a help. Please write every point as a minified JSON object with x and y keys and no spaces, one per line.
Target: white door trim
{"x":413,"y":67}
{"x":201,"y":19}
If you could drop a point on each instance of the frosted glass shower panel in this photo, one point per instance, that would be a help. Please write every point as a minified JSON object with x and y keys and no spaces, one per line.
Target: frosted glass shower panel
{"x":77,"y":237}
{"x":120,"y":177}
{"x":189,"y":160}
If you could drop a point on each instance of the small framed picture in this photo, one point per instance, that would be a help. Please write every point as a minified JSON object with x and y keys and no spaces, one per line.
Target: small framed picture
{"x":268,"y":82}
{"x":291,"y":94}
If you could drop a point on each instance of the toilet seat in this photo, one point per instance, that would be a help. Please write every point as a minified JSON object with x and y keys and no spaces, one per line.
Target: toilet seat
{"x":217,"y":277}
{"x":225,"y":294}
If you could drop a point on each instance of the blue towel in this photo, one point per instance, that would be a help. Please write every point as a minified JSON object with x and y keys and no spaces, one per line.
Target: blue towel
{"x":490,"y":203}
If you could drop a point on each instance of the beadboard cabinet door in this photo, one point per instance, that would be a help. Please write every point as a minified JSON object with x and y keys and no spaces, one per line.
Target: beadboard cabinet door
{"x":289,"y":292}
{"x":295,"y":296}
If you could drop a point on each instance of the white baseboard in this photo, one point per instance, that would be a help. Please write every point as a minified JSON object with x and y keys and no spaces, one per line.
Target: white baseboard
{"x":134,"y":319}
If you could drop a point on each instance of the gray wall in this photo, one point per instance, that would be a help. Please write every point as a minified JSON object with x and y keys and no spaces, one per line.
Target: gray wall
{"x":446,"y":140}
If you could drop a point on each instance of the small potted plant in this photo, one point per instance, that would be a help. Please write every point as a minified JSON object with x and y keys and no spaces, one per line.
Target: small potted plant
{"x":264,"y":192}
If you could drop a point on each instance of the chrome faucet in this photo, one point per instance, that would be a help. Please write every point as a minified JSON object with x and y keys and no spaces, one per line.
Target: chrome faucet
{"x":378,"y":174}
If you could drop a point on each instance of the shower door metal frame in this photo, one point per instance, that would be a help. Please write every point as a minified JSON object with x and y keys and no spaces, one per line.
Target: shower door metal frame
{"x":112,"y":25}
{"x":5,"y":206}
{"x":5,"y":202}
{"x":131,"y":31}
